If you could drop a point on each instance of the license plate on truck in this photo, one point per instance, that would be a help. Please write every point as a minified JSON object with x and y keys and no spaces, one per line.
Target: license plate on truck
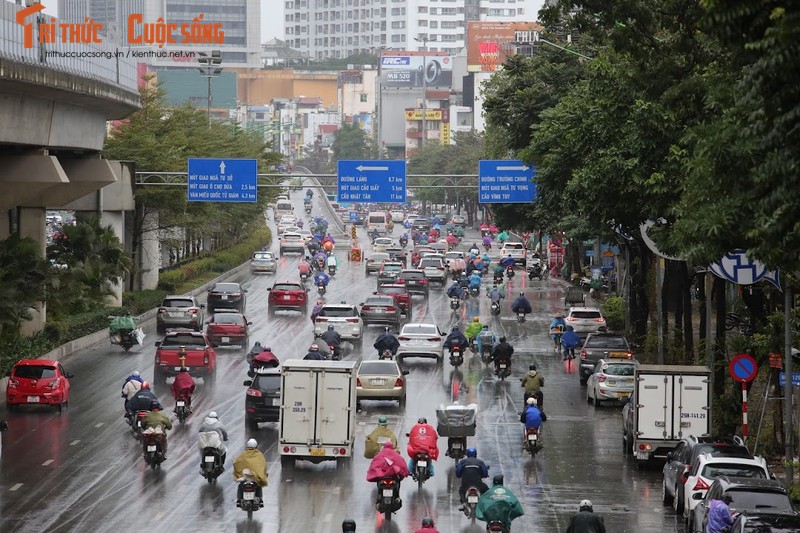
{"x":317,"y":452}
{"x":642,"y":456}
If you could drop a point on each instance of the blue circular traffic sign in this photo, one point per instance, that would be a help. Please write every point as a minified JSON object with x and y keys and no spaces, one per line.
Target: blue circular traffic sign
{"x":743,"y":368}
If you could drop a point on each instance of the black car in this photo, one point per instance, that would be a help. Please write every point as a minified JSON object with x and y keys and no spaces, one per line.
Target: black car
{"x":226,"y":296}
{"x":414,"y":280}
{"x":263,"y":400}
{"x":680,"y":460}
{"x":748,"y":494}
{"x":760,"y":522}
{"x":422,"y":224}
{"x":601,"y":346}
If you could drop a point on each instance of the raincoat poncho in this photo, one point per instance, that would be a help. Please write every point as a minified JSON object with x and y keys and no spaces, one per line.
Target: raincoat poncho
{"x":500,"y":504}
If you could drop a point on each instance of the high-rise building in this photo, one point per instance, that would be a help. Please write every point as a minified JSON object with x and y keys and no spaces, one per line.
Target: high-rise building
{"x":240,"y":19}
{"x":341,"y":28}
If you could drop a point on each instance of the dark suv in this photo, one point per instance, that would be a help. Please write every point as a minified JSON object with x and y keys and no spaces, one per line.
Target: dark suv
{"x":680,"y":460}
{"x":748,"y":494}
{"x":263,"y":400}
{"x":602,"y":346}
{"x":226,"y":296}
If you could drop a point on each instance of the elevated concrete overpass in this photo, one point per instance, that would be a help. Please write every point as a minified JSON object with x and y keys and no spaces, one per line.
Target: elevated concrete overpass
{"x":55,"y":101}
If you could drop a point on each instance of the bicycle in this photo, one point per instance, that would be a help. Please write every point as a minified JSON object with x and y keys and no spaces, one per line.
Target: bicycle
{"x":743,"y":325}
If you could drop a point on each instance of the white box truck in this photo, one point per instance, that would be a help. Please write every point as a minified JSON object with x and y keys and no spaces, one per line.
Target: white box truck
{"x":318,"y":411}
{"x":669,"y":402}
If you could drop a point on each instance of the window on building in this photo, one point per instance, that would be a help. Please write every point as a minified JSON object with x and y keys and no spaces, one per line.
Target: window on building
{"x":434,"y":24}
{"x":398,"y":24}
{"x":422,"y":9}
{"x":422,"y":23}
{"x":289,"y":5}
{"x":364,"y":97}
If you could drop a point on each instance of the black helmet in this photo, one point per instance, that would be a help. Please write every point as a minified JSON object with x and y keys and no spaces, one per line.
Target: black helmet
{"x":455,"y":327}
{"x":348,"y":525}
{"x":386,"y":329}
{"x":497,"y":480}
{"x":330,"y":327}
{"x":427,"y":521}
{"x":422,"y":420}
{"x":532,"y":367}
{"x":521,"y":293}
{"x":502,"y":339}
{"x":257,"y":344}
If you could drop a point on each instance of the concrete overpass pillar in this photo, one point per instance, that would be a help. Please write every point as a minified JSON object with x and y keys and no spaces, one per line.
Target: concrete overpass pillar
{"x":115,"y":219}
{"x":149,"y":255}
{"x":33,"y":223}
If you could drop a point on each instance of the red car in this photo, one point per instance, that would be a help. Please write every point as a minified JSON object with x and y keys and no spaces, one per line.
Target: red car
{"x":400,"y":294}
{"x":417,"y":252}
{"x":226,"y":329}
{"x":36,"y":382}
{"x":184,"y":347}
{"x":288,"y":295}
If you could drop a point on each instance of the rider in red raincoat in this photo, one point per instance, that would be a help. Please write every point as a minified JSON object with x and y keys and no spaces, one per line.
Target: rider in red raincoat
{"x":183,"y":387}
{"x":387,"y":463}
{"x":423,"y":439}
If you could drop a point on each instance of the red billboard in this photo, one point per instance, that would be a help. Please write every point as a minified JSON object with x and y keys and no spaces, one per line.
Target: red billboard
{"x":488,"y":43}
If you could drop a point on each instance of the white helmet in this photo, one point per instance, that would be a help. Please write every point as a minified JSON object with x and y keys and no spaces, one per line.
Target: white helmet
{"x":585,"y":503}
{"x":531,"y":401}
{"x":135,"y":373}
{"x":212,"y":414}
{"x":252,"y":443}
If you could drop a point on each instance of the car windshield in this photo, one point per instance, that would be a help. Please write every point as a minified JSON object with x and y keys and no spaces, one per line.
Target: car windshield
{"x":35,"y":372}
{"x":338,"y":312}
{"x":759,"y":499}
{"x":419,"y":329}
{"x":392,"y":268}
{"x":513,"y":246}
{"x":716,"y":449}
{"x":377,"y":220}
{"x":227,"y":318}
{"x":286,"y":287}
{"x":177,"y":303}
{"x":430,"y":263}
{"x":618,"y":369}
{"x":379,"y":301}
{"x":267,"y":382}
{"x":393,"y":290}
{"x":379,"y":368}
{"x":183,"y":340}
{"x":608,"y":342}
{"x":585,"y":314}
{"x":713,"y":470}
{"x":262,"y":256}
{"x":226,"y":287}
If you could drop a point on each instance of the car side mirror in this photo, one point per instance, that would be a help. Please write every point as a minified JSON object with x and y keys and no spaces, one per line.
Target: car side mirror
{"x":215,"y":345}
{"x":698,"y":496}
{"x":249,"y":323}
{"x":3,"y":426}
{"x":208,"y":322}
{"x":158,"y":344}
{"x":269,"y":289}
{"x":69,"y":375}
{"x":406,"y":372}
{"x":361,"y":304}
{"x":247,"y":382}
{"x":244,"y":290}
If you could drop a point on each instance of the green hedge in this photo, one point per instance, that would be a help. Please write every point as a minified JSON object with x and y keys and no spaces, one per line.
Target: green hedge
{"x":614,"y":313}
{"x":139,"y":302}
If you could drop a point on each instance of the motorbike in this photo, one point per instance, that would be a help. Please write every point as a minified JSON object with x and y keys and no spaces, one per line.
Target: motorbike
{"x":495,"y":309}
{"x":136,"y":423}
{"x":212,"y":464}
{"x":456,"y":448}
{"x":320,"y":265}
{"x":385,"y":354}
{"x":455,"y":303}
{"x":510,"y":271}
{"x":182,"y":409}
{"x":520,"y":317}
{"x":533,"y":443}
{"x":332,"y":269}
{"x":475,"y":251}
{"x":249,"y":502}
{"x":335,"y":352}
{"x":498,"y":277}
{"x":403,"y":242}
{"x":153,"y":453}
{"x":474,"y":291}
{"x":388,"y":497}
{"x":321,"y":289}
{"x":473,"y":495}
{"x":421,"y":472}
{"x":456,"y":357}
{"x":502,"y":370}
{"x":535,"y":272}
{"x":303,"y":278}
{"x":123,"y":332}
{"x":308,"y":209}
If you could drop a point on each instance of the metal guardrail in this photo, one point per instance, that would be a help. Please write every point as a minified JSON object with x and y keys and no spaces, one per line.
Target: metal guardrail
{"x":103,"y":62}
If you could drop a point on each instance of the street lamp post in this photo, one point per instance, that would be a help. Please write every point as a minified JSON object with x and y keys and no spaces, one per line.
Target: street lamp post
{"x":210,"y":70}
{"x":424,"y":41}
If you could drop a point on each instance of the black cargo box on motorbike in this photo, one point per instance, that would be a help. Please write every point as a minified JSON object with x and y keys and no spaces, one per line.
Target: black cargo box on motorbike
{"x":456,"y":422}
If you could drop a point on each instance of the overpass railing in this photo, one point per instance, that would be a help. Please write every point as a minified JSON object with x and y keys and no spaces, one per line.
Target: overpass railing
{"x":102,"y":62}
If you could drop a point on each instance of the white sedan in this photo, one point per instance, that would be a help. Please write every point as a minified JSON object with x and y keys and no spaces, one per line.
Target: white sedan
{"x":421,"y":340}
{"x":611,"y":380}
{"x":381,"y":244}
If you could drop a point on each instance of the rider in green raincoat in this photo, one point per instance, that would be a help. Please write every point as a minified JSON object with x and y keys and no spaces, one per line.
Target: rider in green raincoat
{"x":498,"y":504}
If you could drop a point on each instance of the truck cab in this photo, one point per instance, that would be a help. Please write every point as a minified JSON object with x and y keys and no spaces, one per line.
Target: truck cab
{"x":188,"y":348}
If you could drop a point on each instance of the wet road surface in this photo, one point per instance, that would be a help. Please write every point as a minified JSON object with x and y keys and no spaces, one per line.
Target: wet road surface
{"x":83,"y":471}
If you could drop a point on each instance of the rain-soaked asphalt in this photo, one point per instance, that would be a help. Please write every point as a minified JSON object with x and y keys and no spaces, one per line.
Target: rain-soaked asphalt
{"x":82,"y":470}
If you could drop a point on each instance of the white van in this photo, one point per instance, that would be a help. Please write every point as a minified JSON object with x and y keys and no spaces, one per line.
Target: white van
{"x":283,"y":207}
{"x":376,"y":220}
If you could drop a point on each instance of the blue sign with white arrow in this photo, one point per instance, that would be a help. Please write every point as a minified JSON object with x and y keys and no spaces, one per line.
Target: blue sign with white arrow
{"x":222,"y":180}
{"x":795,"y":379}
{"x":505,"y":182}
{"x":371,"y":181}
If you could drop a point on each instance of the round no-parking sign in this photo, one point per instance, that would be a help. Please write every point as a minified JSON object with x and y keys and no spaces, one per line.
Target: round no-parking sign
{"x":743,"y":368}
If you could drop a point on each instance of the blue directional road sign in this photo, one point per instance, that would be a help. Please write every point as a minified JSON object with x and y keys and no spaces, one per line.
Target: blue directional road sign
{"x":372,"y":181}
{"x":505,"y":182}
{"x":353,"y":217}
{"x":223,"y":180}
{"x":795,"y":379}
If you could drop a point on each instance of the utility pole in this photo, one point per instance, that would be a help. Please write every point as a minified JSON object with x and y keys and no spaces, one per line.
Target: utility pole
{"x":210,"y":70}
{"x":424,"y":40}
{"x":378,"y":102}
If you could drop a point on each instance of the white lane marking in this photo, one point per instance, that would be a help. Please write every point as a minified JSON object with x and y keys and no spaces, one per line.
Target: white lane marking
{"x":98,"y":424}
{"x":15,"y":487}
{"x":73,"y":443}
{"x":327,"y":518}
{"x":159,"y":515}
{"x":47,"y":462}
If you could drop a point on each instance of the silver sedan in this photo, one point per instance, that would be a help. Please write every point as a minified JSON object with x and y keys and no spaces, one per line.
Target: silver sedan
{"x":611,"y":380}
{"x":421,"y":340}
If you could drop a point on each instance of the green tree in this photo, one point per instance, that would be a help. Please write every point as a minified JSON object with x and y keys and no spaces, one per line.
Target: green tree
{"x":352,"y":142}
{"x":24,"y":276}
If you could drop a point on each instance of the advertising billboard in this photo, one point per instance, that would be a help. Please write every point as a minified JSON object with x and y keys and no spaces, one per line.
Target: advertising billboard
{"x":488,"y":43}
{"x":405,"y":69}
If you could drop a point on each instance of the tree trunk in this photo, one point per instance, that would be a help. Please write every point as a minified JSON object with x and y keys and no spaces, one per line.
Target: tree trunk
{"x":701,"y":281}
{"x":640,"y":257}
{"x":720,"y":368}
{"x":686,"y":301}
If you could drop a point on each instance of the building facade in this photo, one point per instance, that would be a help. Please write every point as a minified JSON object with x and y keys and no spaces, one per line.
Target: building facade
{"x":340,"y":28}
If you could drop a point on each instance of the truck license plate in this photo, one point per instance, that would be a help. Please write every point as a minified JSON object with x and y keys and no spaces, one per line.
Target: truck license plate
{"x":388,"y":493}
{"x":317,"y":452}
{"x":642,"y":455}
{"x":209,"y":458}
{"x":623,"y":394}
{"x":33,"y":399}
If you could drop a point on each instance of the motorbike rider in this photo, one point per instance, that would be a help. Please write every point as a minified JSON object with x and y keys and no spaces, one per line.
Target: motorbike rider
{"x":474,"y":327}
{"x":372,"y":444}
{"x":485,"y":337}
{"x":475,"y":279}
{"x":253,"y":460}
{"x":313,"y":247}
{"x":156,"y":422}
{"x":498,"y":504}
{"x":387,"y":463}
{"x":484,"y":228}
{"x":319,"y":261}
{"x":263,"y":359}
{"x":532,"y":382}
{"x":487,"y":242}
{"x":314,"y":354}
{"x":472,"y":472}
{"x":455,"y":291}
{"x":423,"y":439}
{"x":521,"y":304}
{"x":427,"y":526}
{"x":570,"y":340}
{"x":508,"y":262}
{"x":332,"y":338}
{"x":331,"y":261}
{"x":532,"y":417}
{"x":404,"y":239}
{"x":502,"y":237}
{"x":315,"y":311}
{"x":495,"y":294}
{"x":456,"y":338}
{"x":132,"y":385}
{"x":183,"y":387}
{"x":497,"y":271}
{"x":328,"y":238}
{"x":321,"y":278}
{"x":386,"y":341}
{"x":309,"y":193}
{"x":141,"y":400}
{"x":212,"y":434}
{"x":502,"y":351}
{"x":557,"y":327}
{"x":585,"y":521}
{"x":304,"y":266}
